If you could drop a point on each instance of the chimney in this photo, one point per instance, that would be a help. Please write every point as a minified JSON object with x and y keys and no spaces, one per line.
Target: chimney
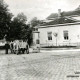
{"x":59,"y":12}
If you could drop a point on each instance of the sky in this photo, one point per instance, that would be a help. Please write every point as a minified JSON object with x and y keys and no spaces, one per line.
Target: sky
{"x":40,"y":8}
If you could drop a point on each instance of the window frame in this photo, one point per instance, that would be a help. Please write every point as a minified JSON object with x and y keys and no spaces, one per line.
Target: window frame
{"x":49,"y":34}
{"x":66,"y":34}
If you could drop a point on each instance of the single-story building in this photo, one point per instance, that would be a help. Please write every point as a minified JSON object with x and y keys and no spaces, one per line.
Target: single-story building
{"x":59,"y":29}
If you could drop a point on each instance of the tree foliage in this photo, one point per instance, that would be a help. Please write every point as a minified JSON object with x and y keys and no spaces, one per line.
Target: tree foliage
{"x":35,"y":22}
{"x":15,"y":28}
{"x":19,"y":29}
{"x":5,"y":19}
{"x":21,"y":18}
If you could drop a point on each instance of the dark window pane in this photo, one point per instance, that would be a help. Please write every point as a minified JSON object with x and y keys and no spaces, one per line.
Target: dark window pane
{"x":49,"y":35}
{"x":37,"y":41}
{"x":66,"y":37}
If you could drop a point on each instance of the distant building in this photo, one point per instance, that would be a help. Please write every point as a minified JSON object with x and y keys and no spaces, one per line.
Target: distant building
{"x":60,"y":29}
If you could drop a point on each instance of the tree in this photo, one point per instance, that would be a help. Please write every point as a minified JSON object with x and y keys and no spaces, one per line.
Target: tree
{"x":34,"y":22}
{"x":5,"y":19}
{"x":17,"y":28}
{"x":26,"y":33}
{"x":21,"y":18}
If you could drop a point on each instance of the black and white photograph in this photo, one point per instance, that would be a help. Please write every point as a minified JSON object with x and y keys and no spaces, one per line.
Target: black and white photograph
{"x":39,"y":39}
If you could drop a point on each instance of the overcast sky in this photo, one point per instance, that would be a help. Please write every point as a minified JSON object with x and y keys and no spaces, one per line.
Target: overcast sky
{"x":40,"y":8}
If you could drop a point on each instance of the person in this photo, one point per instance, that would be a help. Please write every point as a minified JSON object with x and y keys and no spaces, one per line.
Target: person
{"x":27,"y":47}
{"x":15,"y":47}
{"x":6,"y":47}
{"x":11,"y":46}
{"x":21,"y":47}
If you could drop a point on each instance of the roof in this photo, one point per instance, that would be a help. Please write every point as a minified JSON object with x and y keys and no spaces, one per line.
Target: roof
{"x":66,"y":18}
{"x":61,"y":20}
{"x":68,"y":13}
{"x":57,"y":25}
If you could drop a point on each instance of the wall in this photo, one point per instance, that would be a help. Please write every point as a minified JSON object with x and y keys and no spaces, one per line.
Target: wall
{"x":35,"y":37}
{"x":76,"y":17}
{"x":73,"y":32}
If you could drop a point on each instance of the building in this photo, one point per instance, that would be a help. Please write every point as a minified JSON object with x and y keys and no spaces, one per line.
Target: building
{"x":60,"y":29}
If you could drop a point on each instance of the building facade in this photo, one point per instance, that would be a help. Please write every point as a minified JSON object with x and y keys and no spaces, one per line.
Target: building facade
{"x":59,"y":35}
{"x":62,"y":30}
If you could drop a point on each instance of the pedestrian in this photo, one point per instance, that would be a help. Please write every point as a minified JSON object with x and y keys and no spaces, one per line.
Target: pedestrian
{"x":11,"y":46}
{"x":14,"y":47}
{"x":21,"y":47}
{"x":6,"y":47}
{"x":27,"y":47}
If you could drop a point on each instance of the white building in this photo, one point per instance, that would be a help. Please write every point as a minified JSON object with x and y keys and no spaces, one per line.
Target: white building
{"x":62,"y":30}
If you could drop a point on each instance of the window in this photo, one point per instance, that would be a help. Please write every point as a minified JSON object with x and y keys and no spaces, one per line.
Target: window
{"x":49,"y":35}
{"x":66,"y":37}
{"x":37,"y":41}
{"x":35,"y":29}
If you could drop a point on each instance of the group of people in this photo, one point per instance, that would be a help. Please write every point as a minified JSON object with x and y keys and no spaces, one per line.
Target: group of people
{"x":18,"y":46}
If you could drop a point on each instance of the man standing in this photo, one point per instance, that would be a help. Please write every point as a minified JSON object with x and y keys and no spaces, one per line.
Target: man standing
{"x":11,"y":46}
{"x":27,"y":47}
{"x":6,"y":47}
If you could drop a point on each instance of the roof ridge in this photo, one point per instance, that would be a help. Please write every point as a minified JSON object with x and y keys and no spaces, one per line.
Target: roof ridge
{"x":65,"y":13}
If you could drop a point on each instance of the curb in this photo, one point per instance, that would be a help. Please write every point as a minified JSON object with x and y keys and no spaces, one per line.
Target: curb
{"x":63,"y":50}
